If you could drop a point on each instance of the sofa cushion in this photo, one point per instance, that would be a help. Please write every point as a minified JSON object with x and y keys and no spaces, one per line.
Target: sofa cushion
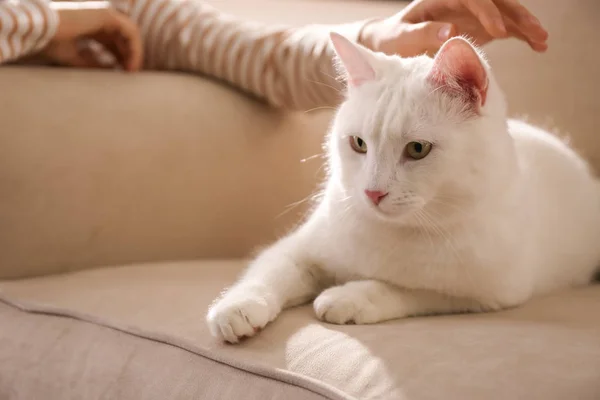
{"x":547,"y":349}
{"x":50,"y":357}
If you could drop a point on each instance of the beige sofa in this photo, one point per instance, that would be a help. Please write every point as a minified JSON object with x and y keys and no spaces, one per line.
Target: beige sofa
{"x":128,"y":202}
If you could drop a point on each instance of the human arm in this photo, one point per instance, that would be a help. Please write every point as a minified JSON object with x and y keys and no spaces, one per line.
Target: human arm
{"x":59,"y":33}
{"x":292,"y":67}
{"x":284,"y":66}
{"x":26,"y":26}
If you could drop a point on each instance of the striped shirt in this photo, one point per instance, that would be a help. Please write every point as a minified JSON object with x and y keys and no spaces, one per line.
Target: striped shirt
{"x":286,"y":67}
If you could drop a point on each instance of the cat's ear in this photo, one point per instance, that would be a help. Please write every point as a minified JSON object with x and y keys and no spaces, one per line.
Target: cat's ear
{"x":355,"y":60}
{"x":458,"y":68}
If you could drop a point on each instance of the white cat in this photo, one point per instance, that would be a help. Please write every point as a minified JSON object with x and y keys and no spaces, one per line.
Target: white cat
{"x":435,"y":203}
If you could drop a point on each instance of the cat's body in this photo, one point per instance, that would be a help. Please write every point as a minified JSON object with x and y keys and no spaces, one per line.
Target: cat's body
{"x":482,"y":254}
{"x":495,"y":212}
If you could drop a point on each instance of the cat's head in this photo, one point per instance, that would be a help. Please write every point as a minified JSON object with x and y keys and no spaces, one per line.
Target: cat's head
{"x":418,"y":136}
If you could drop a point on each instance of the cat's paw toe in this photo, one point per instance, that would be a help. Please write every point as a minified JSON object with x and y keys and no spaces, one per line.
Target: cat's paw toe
{"x":338,"y":305}
{"x":236,"y":317}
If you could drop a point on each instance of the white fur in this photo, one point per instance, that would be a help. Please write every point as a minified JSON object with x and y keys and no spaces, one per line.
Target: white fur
{"x":498,"y":212}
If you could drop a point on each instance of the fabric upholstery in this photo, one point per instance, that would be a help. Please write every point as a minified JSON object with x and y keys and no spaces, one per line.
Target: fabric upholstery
{"x":101,"y":169}
{"x":53,"y":358}
{"x":548,"y":349}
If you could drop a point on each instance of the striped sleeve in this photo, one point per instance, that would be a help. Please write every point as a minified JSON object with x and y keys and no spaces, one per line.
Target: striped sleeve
{"x":285,"y":67}
{"x":25,"y":27}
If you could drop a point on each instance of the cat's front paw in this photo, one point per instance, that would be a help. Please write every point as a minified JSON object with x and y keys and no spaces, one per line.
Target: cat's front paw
{"x":344,"y":305}
{"x":241,"y":313}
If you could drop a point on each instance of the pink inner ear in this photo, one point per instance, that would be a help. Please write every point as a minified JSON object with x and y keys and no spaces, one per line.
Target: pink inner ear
{"x":354,"y":59}
{"x":458,"y":69}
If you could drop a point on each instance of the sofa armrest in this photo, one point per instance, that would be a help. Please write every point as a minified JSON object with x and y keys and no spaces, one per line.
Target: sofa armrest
{"x":99,"y":168}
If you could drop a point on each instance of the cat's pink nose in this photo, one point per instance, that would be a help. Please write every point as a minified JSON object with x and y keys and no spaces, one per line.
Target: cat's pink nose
{"x":375,"y":195}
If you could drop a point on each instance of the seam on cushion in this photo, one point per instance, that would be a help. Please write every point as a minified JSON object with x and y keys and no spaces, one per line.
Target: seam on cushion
{"x":315,"y":386}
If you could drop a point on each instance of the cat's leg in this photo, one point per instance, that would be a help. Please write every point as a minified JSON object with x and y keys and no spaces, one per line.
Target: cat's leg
{"x":280,"y":277}
{"x":371,"y":301}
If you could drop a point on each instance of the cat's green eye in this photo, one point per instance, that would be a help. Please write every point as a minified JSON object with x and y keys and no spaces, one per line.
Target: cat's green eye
{"x":358,"y":145}
{"x":418,"y":150}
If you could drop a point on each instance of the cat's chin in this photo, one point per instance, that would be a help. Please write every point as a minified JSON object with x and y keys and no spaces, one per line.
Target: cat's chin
{"x":396,"y":217}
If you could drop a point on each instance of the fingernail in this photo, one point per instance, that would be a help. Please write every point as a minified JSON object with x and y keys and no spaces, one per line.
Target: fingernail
{"x":444,"y":32}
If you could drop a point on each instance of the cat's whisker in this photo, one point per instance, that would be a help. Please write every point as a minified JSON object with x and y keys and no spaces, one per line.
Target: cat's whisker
{"x":455,"y":207}
{"x":347,"y":206}
{"x":464,"y":211}
{"x":339,"y":78}
{"x":325,"y":84}
{"x":424,"y":229}
{"x":447,"y":199}
{"x":335,"y":78}
{"x":344,"y":212}
{"x":291,"y":206}
{"x":319,"y":108}
{"x":345,"y":198}
{"x":466,"y":271}
{"x":321,"y":168}
{"x":310,"y":158}
{"x":445,"y":234}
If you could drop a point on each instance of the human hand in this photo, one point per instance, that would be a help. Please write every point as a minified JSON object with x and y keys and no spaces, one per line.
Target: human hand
{"x":424,"y":25}
{"x":99,"y":22}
